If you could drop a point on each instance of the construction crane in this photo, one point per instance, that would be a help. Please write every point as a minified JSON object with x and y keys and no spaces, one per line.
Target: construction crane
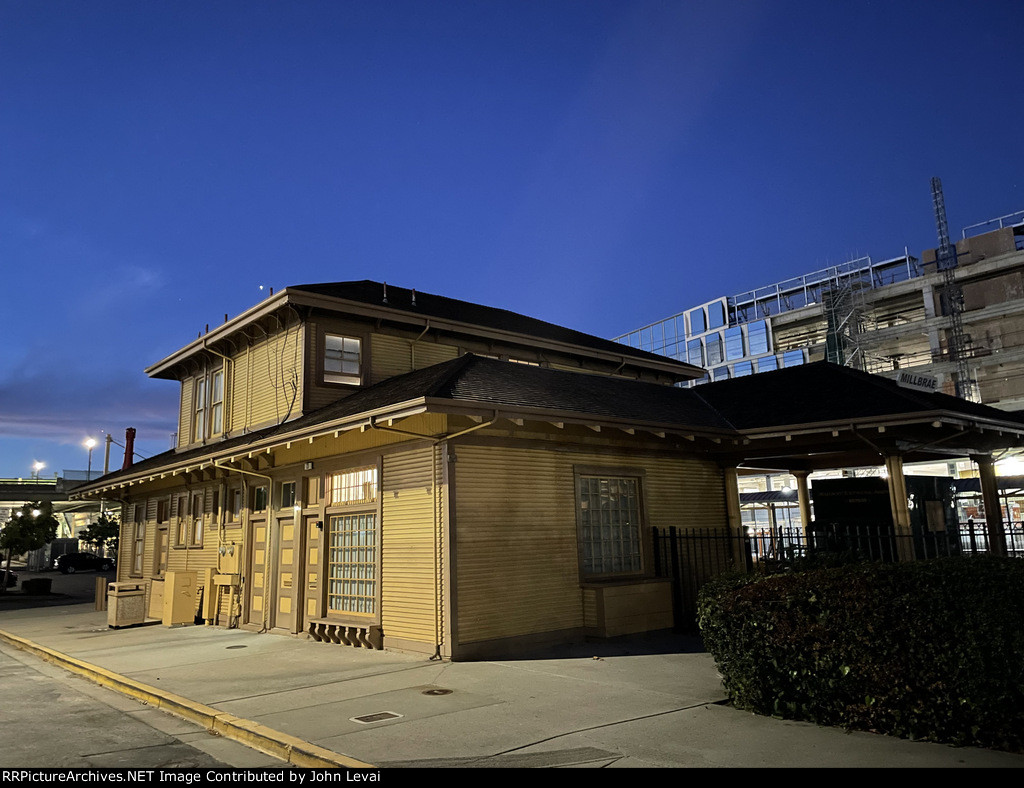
{"x":952,"y":298}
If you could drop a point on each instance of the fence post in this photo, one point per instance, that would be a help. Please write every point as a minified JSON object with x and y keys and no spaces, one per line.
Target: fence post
{"x":677,"y":580}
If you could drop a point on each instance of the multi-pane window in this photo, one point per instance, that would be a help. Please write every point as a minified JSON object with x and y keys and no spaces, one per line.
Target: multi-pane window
{"x":720,"y":373}
{"x":196,"y":533}
{"x":217,"y":402}
{"x":352,"y":563}
{"x":609,"y":513}
{"x":742,"y":368}
{"x":352,"y":486}
{"x":181,"y":538}
{"x":199,"y":410}
{"x":138,"y":538}
{"x":341,"y":360}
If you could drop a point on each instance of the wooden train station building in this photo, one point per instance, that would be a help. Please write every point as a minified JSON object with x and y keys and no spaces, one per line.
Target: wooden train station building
{"x":379,"y":467}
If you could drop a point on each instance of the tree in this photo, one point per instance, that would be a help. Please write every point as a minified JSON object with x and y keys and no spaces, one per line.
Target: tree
{"x":102,"y":533}
{"x":31,"y":527}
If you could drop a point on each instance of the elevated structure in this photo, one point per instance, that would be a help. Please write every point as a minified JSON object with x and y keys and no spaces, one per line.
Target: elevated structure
{"x":889,"y":317}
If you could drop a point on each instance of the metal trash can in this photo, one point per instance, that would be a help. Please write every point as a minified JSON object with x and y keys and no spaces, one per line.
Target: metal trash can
{"x":126,"y":604}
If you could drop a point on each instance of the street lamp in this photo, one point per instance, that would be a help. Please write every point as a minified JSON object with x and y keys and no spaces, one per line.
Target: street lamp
{"x":36,"y":467}
{"x":89,"y":444}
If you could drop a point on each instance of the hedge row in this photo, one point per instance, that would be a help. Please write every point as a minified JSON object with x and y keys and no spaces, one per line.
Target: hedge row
{"x":928,"y":650}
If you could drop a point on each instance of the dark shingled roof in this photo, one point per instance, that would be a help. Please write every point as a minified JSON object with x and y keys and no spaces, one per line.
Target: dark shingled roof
{"x":807,"y":394}
{"x":429,"y":305}
{"x":824,"y":392}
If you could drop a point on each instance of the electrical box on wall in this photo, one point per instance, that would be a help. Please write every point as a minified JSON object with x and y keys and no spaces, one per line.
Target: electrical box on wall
{"x":228,"y":558}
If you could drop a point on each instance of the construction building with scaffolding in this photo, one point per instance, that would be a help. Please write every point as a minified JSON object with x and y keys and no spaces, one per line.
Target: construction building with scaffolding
{"x":950,"y":321}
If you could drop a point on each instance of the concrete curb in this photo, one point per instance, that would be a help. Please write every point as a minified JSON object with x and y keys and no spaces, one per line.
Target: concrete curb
{"x":288,"y":748}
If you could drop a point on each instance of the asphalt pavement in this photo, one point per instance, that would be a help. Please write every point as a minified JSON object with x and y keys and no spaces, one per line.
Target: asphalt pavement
{"x":646,"y":702}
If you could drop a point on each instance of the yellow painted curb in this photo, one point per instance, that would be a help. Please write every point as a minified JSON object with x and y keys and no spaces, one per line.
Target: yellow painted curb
{"x":295,"y":751}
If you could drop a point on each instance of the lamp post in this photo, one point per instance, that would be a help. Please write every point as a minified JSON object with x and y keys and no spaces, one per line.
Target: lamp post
{"x":37,"y":466}
{"x":89,"y":444}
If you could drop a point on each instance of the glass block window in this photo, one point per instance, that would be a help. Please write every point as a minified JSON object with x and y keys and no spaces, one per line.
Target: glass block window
{"x":352,"y":564}
{"x":358,"y":486}
{"x":341,"y":360}
{"x":609,"y":515}
{"x":733,"y":343}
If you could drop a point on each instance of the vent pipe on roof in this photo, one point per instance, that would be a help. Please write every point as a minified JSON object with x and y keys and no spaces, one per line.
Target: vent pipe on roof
{"x":414,"y":297}
{"x":129,"y":448}
{"x":385,"y":292}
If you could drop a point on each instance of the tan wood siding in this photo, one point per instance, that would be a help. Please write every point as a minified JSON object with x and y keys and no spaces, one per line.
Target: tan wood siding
{"x":408,"y":547}
{"x":185,"y":412}
{"x":274,"y":378}
{"x":396,"y":355}
{"x":238,"y":388}
{"x":516,"y":540}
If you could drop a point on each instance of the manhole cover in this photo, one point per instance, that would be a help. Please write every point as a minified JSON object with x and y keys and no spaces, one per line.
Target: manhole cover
{"x":236,"y":647}
{"x":437,"y":691}
{"x":380,"y":716}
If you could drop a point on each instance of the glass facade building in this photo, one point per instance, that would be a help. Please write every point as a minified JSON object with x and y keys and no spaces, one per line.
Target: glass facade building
{"x":732,"y":336}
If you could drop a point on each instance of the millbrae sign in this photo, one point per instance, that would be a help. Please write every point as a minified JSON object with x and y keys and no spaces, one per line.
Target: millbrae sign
{"x":915,"y":380}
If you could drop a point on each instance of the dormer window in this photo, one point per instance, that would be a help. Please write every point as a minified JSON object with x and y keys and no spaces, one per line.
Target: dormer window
{"x":342,"y":356}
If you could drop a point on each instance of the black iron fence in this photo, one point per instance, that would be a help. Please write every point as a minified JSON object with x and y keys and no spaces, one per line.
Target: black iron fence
{"x":694,"y":556}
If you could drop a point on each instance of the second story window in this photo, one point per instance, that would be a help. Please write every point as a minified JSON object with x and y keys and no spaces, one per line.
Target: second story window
{"x":208,"y":403}
{"x":199,"y":415}
{"x":342,"y":356}
{"x":217,"y":402}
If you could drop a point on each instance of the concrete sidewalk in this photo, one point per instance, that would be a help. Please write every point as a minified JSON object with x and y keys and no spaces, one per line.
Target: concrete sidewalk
{"x":652,"y":702}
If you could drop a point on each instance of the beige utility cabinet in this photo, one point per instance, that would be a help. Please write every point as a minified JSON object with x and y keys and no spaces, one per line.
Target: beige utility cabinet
{"x":180,"y":594}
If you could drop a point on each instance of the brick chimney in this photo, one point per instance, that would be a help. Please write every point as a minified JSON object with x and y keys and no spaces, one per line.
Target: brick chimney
{"x":129,"y":448}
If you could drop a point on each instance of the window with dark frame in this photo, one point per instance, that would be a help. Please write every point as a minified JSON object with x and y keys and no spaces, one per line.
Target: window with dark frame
{"x":287,"y":495}
{"x":342,"y":357}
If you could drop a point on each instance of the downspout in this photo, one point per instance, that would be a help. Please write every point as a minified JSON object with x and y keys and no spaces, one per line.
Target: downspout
{"x":412,"y":345}
{"x":270,"y":530}
{"x":435,"y":505}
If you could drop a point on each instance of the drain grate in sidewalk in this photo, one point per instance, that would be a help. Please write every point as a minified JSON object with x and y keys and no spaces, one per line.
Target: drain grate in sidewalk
{"x":380,"y":716}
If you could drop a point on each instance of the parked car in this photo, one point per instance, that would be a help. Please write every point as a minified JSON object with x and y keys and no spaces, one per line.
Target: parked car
{"x":77,"y":562}
{"x":12,"y":579}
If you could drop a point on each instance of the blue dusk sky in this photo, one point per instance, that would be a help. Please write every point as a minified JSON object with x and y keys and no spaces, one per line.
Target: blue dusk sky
{"x":599,"y":164}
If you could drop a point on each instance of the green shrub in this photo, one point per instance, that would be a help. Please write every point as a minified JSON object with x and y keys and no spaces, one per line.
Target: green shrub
{"x":927,"y":650}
